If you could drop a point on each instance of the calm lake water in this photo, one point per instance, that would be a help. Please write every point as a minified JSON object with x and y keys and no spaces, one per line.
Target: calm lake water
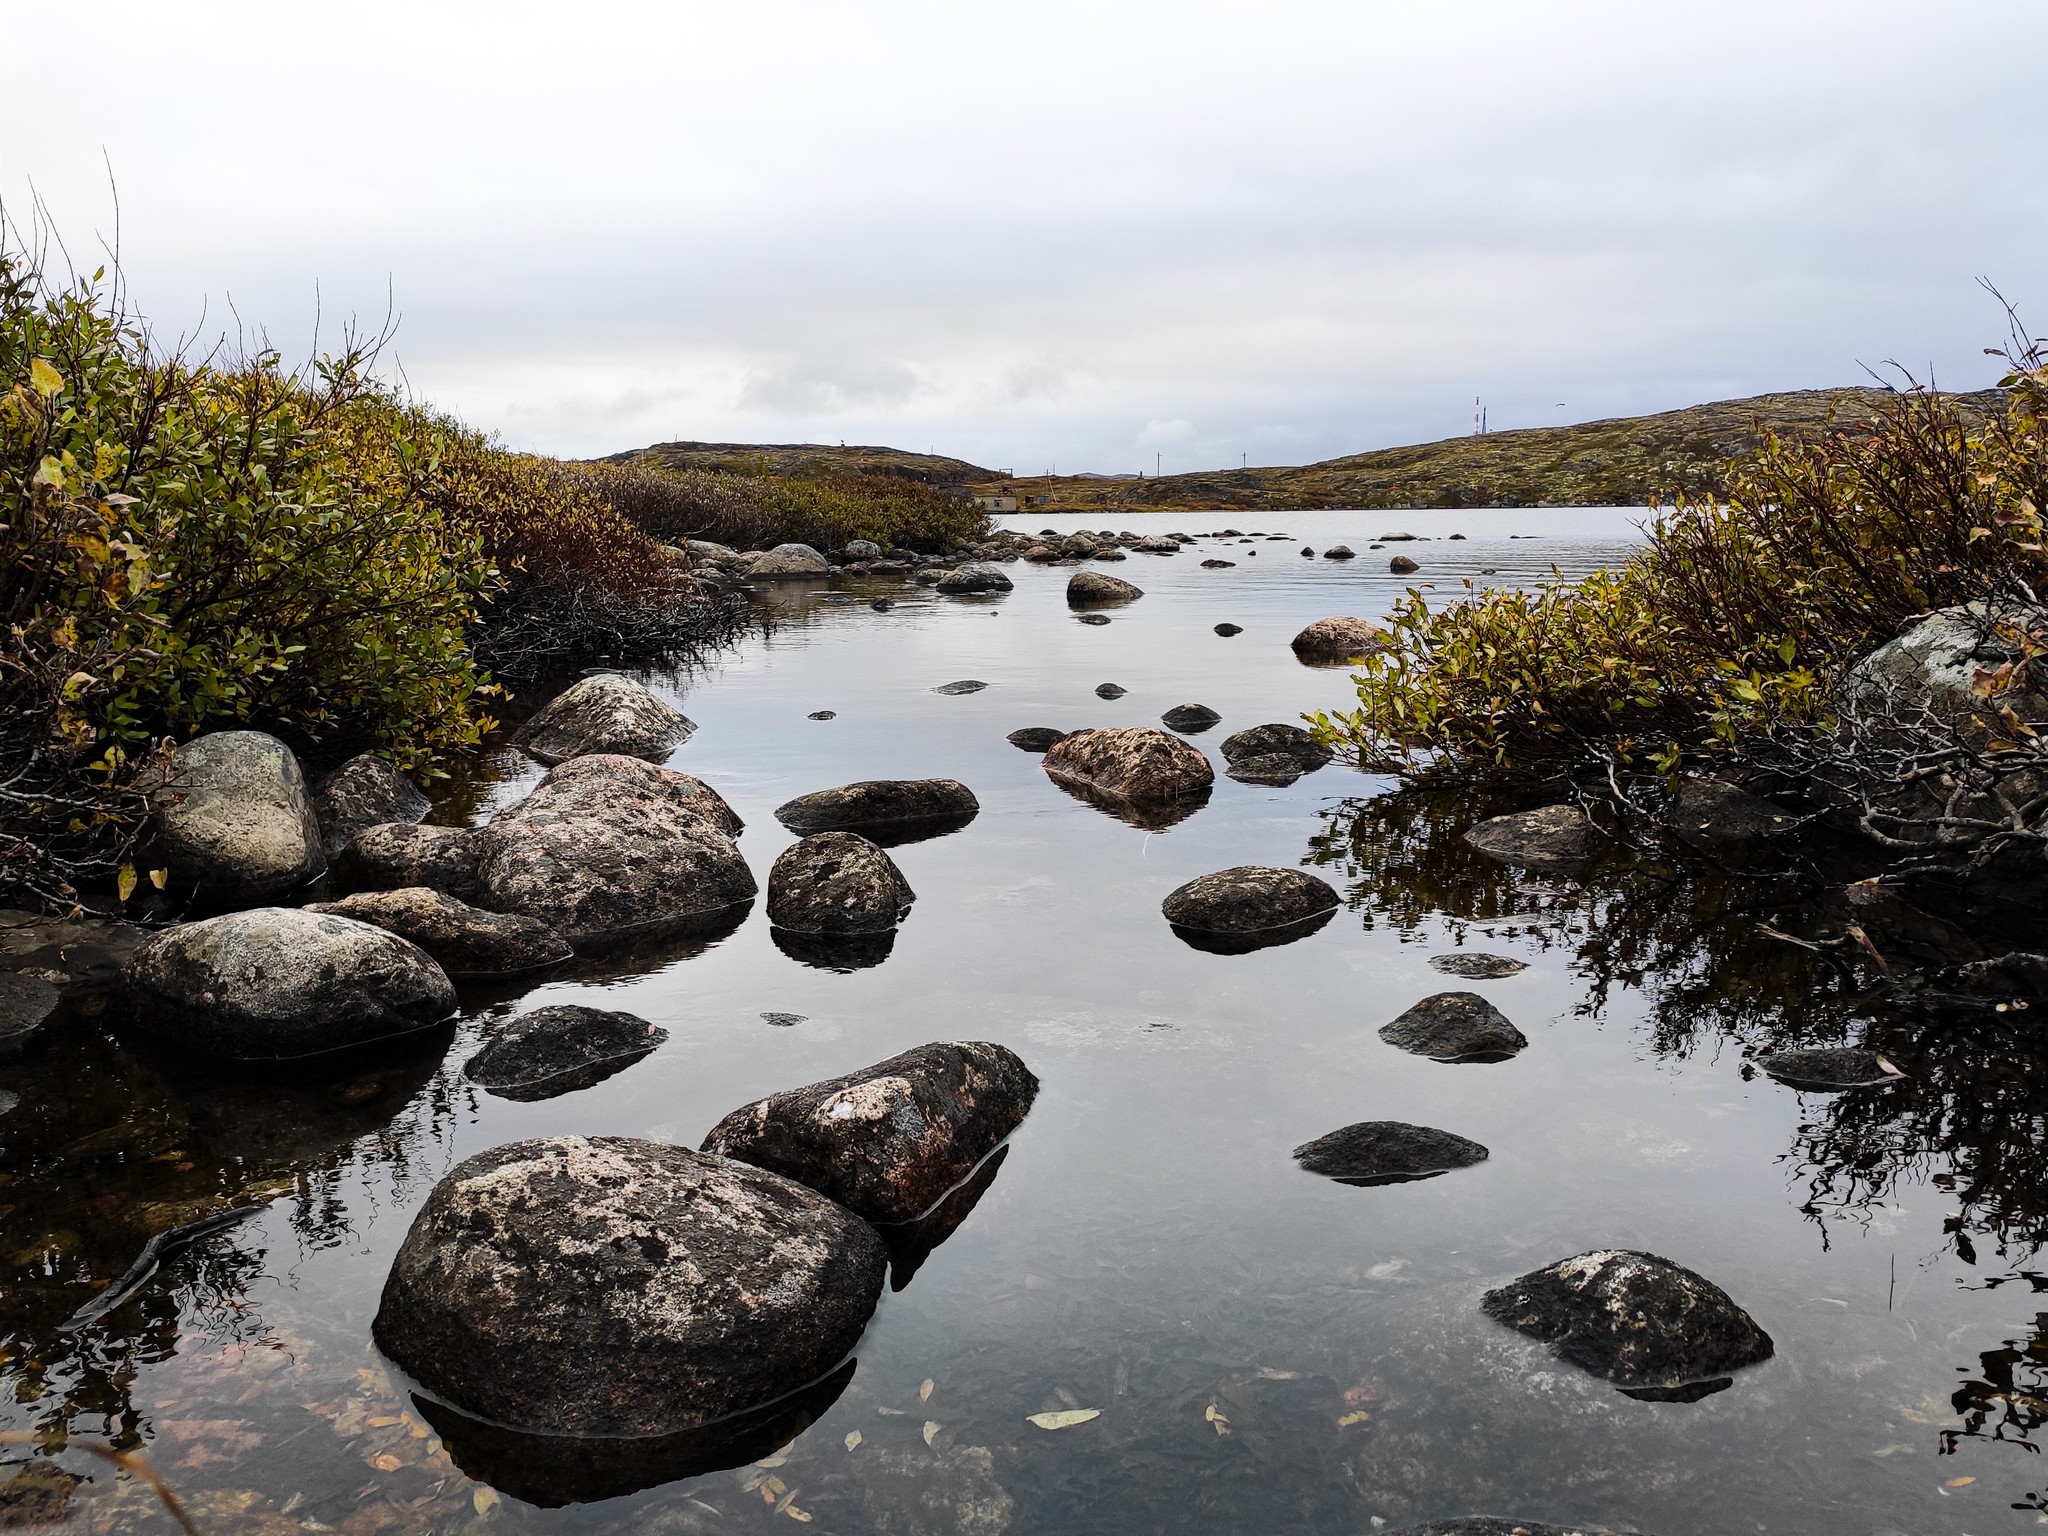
{"x":1269,"y":1350}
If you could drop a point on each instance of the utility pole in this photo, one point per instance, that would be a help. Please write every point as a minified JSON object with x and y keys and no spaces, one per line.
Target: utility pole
{"x":1157,"y":460}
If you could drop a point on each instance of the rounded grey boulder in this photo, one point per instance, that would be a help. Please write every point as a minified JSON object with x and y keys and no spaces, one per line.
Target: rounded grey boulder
{"x":556,"y":1050}
{"x":1555,"y":837}
{"x":466,"y":941}
{"x":276,"y":983}
{"x":398,"y":854}
{"x":1265,"y":740}
{"x":604,"y":1286}
{"x":1401,"y":565}
{"x":1088,"y":588}
{"x":862,"y":549}
{"x":1455,"y":1026}
{"x":890,"y":1140}
{"x":1190,"y":718}
{"x":790,"y":560}
{"x":1249,"y":899}
{"x":1034,"y":738}
{"x":1633,"y":1318}
{"x":235,"y":819}
{"x":976,"y":577}
{"x":1139,"y":764}
{"x":601,"y":714}
{"x":878,"y":805}
{"x":363,"y":792}
{"x":1377,"y":1152}
{"x":1336,"y":641}
{"x":837,"y":883}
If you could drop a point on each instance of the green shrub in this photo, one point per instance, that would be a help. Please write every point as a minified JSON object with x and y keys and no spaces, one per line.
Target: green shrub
{"x":760,"y":511}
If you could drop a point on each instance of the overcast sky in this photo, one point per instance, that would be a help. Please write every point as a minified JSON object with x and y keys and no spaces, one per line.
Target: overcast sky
{"x":1052,"y":234}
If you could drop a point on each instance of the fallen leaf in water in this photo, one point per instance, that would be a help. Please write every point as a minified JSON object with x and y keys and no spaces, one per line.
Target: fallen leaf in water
{"x":772,"y":1489}
{"x":924,"y":1393}
{"x":386,"y":1462}
{"x":1216,"y":1416}
{"x":788,"y":1503}
{"x":1355,"y":1416}
{"x":931,"y":1430}
{"x":1959,"y":1482}
{"x":382,"y":1421}
{"x":798,"y":1514}
{"x":1896,"y":1448}
{"x":483,"y":1500}
{"x":852,"y":1439}
{"x":780,"y":1458}
{"x":894,"y":1413}
{"x":1895,"y":1072}
{"x":1267,"y":1373}
{"x":1065,"y":1419}
{"x":1830,"y":1300}
{"x":1387,"y":1270}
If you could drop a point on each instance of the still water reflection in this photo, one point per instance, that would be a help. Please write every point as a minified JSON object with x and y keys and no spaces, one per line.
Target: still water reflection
{"x":1268,"y":1349}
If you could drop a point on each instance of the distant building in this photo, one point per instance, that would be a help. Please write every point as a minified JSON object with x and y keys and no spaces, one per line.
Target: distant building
{"x":997,"y":501}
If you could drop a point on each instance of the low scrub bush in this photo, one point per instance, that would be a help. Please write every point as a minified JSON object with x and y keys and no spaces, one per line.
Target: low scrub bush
{"x":760,"y":511}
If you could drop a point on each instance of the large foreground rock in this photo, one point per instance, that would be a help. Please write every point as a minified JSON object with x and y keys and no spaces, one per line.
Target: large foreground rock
{"x":605,"y":713}
{"x":556,"y":1050}
{"x":977,"y":577}
{"x":605,"y":1286}
{"x":607,"y":848}
{"x":1455,"y":1026}
{"x":467,"y":941}
{"x":1094,"y":588}
{"x":1636,"y":1319}
{"x":1139,"y":764}
{"x":888,"y":810}
{"x":890,"y":1140}
{"x":1556,"y":837}
{"x":235,"y":820}
{"x":396,"y":855}
{"x":1251,"y":904}
{"x":363,"y":792}
{"x":276,"y":983}
{"x":1335,"y":641}
{"x":837,"y":883}
{"x":1387,"y":1152}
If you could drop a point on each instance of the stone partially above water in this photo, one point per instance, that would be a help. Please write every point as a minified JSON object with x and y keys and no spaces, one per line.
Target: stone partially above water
{"x":1455,"y":1026}
{"x":1718,"y":817}
{"x":399,"y":854}
{"x":1337,"y":641}
{"x":1267,"y":740}
{"x":1227,"y":630}
{"x":1828,"y":1070}
{"x":363,"y":792}
{"x":1096,"y":587}
{"x":27,"y":1003}
{"x":790,"y":560}
{"x":837,"y":883}
{"x":1474,"y":966}
{"x":467,"y":941}
{"x":977,"y":577}
{"x":1556,"y":837}
{"x":1190,"y":718}
{"x":1401,"y":565}
{"x":606,"y":713}
{"x":1138,"y":764}
{"x":1110,"y":690}
{"x":1251,"y":900}
{"x":1633,"y":1318}
{"x":890,"y":1140}
{"x":235,"y":819}
{"x":559,"y":1049}
{"x":890,"y":810}
{"x":604,"y":1286}
{"x":1034,"y":738}
{"x":965,"y":685}
{"x":1377,"y":1152}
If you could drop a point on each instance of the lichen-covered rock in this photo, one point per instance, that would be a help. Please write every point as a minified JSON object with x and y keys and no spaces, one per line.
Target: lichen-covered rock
{"x":1828,"y":1069}
{"x":837,"y":883}
{"x":400,"y":854}
{"x":1158,"y":544}
{"x":605,"y":713}
{"x":275,"y":983}
{"x":235,"y":820}
{"x":1086,"y":588}
{"x":978,"y":576}
{"x":875,"y":805}
{"x":1265,"y":740}
{"x":1475,"y":966}
{"x":1139,"y":764}
{"x":1034,"y":738}
{"x":1377,"y":1152}
{"x":1455,"y":1026}
{"x":1633,"y":1318}
{"x":604,"y":1286}
{"x":1189,"y":718}
{"x":556,"y":1050}
{"x":862,"y":549}
{"x":890,"y":1140}
{"x":467,"y":941}
{"x":790,"y":560}
{"x":1935,"y":664}
{"x":577,"y":780}
{"x":1554,"y":837}
{"x":363,"y":792}
{"x":1337,"y":641}
{"x":1249,"y":899}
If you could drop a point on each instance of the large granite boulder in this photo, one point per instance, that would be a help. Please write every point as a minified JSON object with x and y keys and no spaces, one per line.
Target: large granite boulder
{"x":466,"y":941}
{"x":1334,"y":642}
{"x":1094,"y":588}
{"x":890,"y":1140}
{"x":1934,"y":667}
{"x":363,"y":792}
{"x":601,"y":714}
{"x":978,"y":576}
{"x":1455,"y":1026}
{"x":235,"y":820}
{"x":889,"y":811}
{"x":1139,"y":764}
{"x":1558,"y":838}
{"x":1250,"y":907}
{"x":608,"y":1287}
{"x":606,"y":848}
{"x":1376,"y":1152}
{"x":837,"y":883}
{"x":559,"y":1049}
{"x":790,"y":560}
{"x":1638,"y":1320}
{"x":276,"y":983}
{"x":400,"y":854}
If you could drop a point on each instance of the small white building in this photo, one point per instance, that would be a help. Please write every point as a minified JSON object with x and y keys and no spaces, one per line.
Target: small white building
{"x":997,"y":501}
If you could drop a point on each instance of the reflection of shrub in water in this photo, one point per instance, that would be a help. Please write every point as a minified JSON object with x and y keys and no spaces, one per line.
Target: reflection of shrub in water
{"x":2008,"y":1400}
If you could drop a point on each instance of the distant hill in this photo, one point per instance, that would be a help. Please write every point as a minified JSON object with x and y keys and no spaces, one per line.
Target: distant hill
{"x":808,"y":461}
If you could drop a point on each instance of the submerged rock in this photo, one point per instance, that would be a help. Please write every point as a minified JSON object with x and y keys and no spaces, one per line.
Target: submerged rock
{"x":837,"y":883}
{"x":1091,"y":587}
{"x":891,"y":811}
{"x":27,"y":1003}
{"x":890,"y":1140}
{"x":1221,"y":565}
{"x":978,"y":577}
{"x":1096,"y":619}
{"x":1110,"y":690}
{"x":965,"y":685}
{"x":1034,"y":738}
{"x":604,"y":1286}
{"x":1190,"y":717}
{"x":883,"y":604}
{"x":1556,"y":837}
{"x":1828,"y":1070}
{"x":1474,"y":966}
{"x":605,"y":713}
{"x":1377,"y":1152}
{"x":399,"y":854}
{"x":1251,"y":900}
{"x":1265,"y":740}
{"x":1455,"y":1026}
{"x":1633,"y":1318}
{"x":948,"y":1490}
{"x":557,"y":1050}
{"x":1720,"y":817}
{"x":276,"y":983}
{"x":1337,"y":641}
{"x":1138,"y":764}
{"x":466,"y":941}
{"x":235,"y":819}
{"x":363,"y":792}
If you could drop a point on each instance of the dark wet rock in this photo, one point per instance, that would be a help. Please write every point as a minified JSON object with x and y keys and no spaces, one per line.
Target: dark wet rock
{"x":276,"y":983}
{"x":27,"y":1003}
{"x":1249,"y":899}
{"x":1110,"y":554}
{"x":978,"y":577}
{"x":1221,"y":565}
{"x":609,"y":847}
{"x":837,"y":883}
{"x":1337,"y":640}
{"x":790,"y":560}
{"x":783,"y":1020}
{"x":1034,"y":738}
{"x":1376,"y":1152}
{"x":889,"y":1141}
{"x":614,"y":1287}
{"x":1276,"y":768}
{"x":1092,"y":618}
{"x":1715,"y":816}
{"x":1401,"y":565}
{"x":557,"y":1050}
{"x":965,"y":685}
{"x":1085,"y":588}
{"x":1190,"y":718}
{"x":1263,"y":740}
{"x":1828,"y":1070}
{"x":1633,"y":1318}
{"x":891,"y":811}
{"x":1455,"y":1026}
{"x":363,"y":792}
{"x":912,"y":1242}
{"x":1307,"y":553}
{"x":1556,"y":837}
{"x":235,"y":819}
{"x":400,"y":854}
{"x":1110,"y":691}
{"x":1478,"y":967}
{"x":823,"y":714}
{"x":883,"y":604}
{"x":606,"y":713}
{"x":1340,"y":552}
{"x":37,"y":1493}
{"x":467,"y":941}
{"x":1227,"y":630}
{"x":862,"y":549}
{"x":1137,"y":764}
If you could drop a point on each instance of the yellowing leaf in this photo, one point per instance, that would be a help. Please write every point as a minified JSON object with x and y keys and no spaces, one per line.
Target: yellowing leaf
{"x":483,"y":1500}
{"x":931,"y":1430}
{"x":924,"y":1393}
{"x":798,"y":1514}
{"x":1959,"y":1482}
{"x":159,"y":878}
{"x":1356,"y":1416}
{"x":382,"y":1421}
{"x":124,"y":883}
{"x":1065,"y":1419}
{"x":780,"y":1458}
{"x":773,"y":1489}
{"x":386,"y":1462}
{"x":853,"y":1438}
{"x":44,"y":378}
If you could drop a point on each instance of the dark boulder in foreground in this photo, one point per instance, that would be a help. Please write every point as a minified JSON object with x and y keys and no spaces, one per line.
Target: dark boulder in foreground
{"x":603,"y":713}
{"x":399,"y":854}
{"x":1333,"y":642}
{"x":1088,"y":588}
{"x":1474,"y":966}
{"x":1034,"y":738}
{"x":605,"y":1286}
{"x":1110,"y":690}
{"x":235,"y":820}
{"x":1556,"y":837}
{"x":837,"y":883}
{"x":1377,"y":1152}
{"x":877,"y":806}
{"x":560,"y":1049}
{"x":276,"y":983}
{"x":978,"y":577}
{"x":887,"y":1142}
{"x":1140,"y":764}
{"x":363,"y":792}
{"x":1266,"y":740}
{"x":1251,"y":903}
{"x":1455,"y":1026}
{"x":466,"y":941}
{"x":1828,"y":1070}
{"x":1633,"y":1318}
{"x":1190,"y":718}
